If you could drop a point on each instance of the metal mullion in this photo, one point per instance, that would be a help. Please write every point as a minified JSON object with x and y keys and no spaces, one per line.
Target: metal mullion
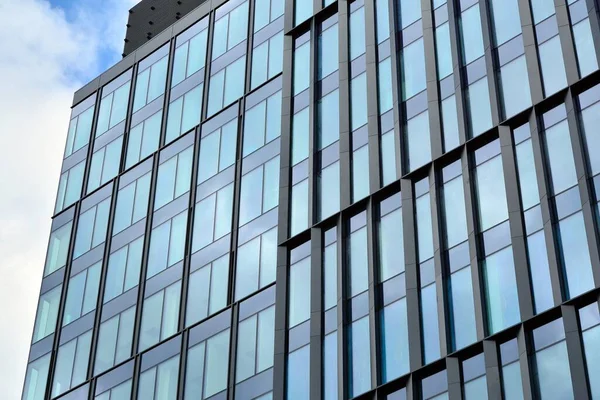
{"x":517,"y":223}
{"x":396,"y":82}
{"x":525,"y":367}
{"x":488,"y":44}
{"x":411,"y":275}
{"x":374,"y":140}
{"x":167,"y":93}
{"x":551,"y":240}
{"x":492,"y":370}
{"x":433,"y":95}
{"x":474,"y":250}
{"x":566,"y":41}
{"x":455,"y":387}
{"x":530,"y":47}
{"x":207,"y":64}
{"x":575,"y":352}
{"x":183,"y":352}
{"x":345,"y":133}
{"x":313,"y":159}
{"x":249,"y":49}
{"x":281,"y":324}
{"x":583,"y":178}
{"x":232,"y":351}
{"x":372,"y":275}
{"x":316,"y":315}
{"x":342,"y":336}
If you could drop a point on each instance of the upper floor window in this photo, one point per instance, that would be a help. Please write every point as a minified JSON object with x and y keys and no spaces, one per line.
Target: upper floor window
{"x":230,"y":30}
{"x":190,"y":54}
{"x":80,"y":129}
{"x":151,"y":78}
{"x":267,"y":11}
{"x":113,"y":107}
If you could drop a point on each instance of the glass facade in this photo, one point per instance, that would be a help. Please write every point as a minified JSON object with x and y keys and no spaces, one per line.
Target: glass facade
{"x":331,"y":199}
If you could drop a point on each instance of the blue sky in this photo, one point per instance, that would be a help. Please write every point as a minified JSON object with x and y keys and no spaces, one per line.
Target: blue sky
{"x":60,"y":46}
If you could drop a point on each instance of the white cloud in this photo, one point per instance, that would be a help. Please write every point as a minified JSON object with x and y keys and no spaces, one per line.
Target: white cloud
{"x":44,"y":58}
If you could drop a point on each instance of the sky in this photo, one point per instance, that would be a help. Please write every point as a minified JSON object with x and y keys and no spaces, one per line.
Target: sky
{"x":48,"y":50}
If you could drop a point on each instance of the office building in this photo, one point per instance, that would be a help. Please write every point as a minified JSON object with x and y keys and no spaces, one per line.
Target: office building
{"x":302,"y":200}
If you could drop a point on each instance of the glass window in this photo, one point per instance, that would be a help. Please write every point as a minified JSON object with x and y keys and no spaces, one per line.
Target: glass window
{"x":330,"y":367}
{"x":255,"y":346}
{"x":501,"y":290}
{"x":190,"y":57}
{"x":560,"y":157}
{"x":388,"y":158}
{"x":360,"y":173}
{"x":359,"y":357}
{"x":132,"y":203}
{"x":328,"y":51}
{"x":120,"y":392}
{"x":143,"y":139}
{"x":212,"y":218}
{"x":299,"y":207}
{"x":491,"y":194}
{"x":226,"y":86}
{"x":542,"y":9}
{"x":207,"y":367}
{"x":575,"y":255}
{"x":443,"y":50}
{"x":80,"y":129}
{"x":267,"y":11}
{"x":384,"y":82}
{"x":328,"y":123}
{"x":267,"y":60}
{"x":512,"y":384}
{"x":394,"y":339}
{"x":82,"y":293}
{"x":383,"y":20}
{"x":123,"y":269}
{"x":184,"y":113}
{"x":71,"y":364}
{"x":462,"y":309}
{"x":113,"y":108}
{"x":476,"y":388}
{"x":105,"y":164}
{"x":358,"y":262}
{"x":410,"y":12}
{"x":303,"y":10}
{"x":256,"y":264}
{"x":328,"y":182}
{"x":590,"y":325}
{"x":551,"y":362}
{"x":36,"y":379}
{"x":151,"y":83}
{"x":527,"y":174}
{"x":217,"y":151}
{"x":58,"y":248}
{"x":515,"y":86}
{"x":357,"y":33}
{"x":174,"y":178}
{"x":160,"y":382}
{"x":418,"y":140}
{"x":330,"y":291}
{"x":590,"y":118}
{"x":301,"y":68}
{"x":47,"y":312}
{"x":358,"y":101}
{"x":207,"y":291}
{"x":91,"y":228}
{"x":230,"y":30}
{"x":299,"y":298}
{"x":413,"y":69}
{"x":584,"y":46}
{"x":429,"y":321}
{"x":260,"y":191}
{"x":455,"y":217}
{"x":300,"y":133}
{"x":552,"y":66}
{"x":167,"y":244}
{"x":391,"y":248}
{"x":69,"y":187}
{"x":115,"y":339}
{"x":507,"y":24}
{"x":472,"y":39}
{"x":298,"y":374}
{"x":262,"y":123}
{"x":450,"y":123}
{"x":480,"y":112}
{"x":160,"y":316}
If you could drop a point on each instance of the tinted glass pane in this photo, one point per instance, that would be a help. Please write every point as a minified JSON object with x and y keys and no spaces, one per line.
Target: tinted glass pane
{"x":515,"y":86}
{"x":501,"y":290}
{"x":470,"y":24}
{"x":491,"y":196}
{"x":328,"y":51}
{"x":552,"y":65}
{"x":584,"y":44}
{"x":299,"y":302}
{"x":480,"y":114}
{"x":394,"y":339}
{"x":464,"y":330}
{"x":575,"y":255}
{"x":360,"y":358}
{"x":553,"y":375}
{"x":413,"y":69}
{"x":443,"y":50}
{"x":298,"y":374}
{"x":507,"y":23}
{"x":391,"y":238}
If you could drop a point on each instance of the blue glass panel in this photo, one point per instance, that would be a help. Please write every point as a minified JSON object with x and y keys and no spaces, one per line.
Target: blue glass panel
{"x":501,"y":291}
{"x":394,"y":341}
